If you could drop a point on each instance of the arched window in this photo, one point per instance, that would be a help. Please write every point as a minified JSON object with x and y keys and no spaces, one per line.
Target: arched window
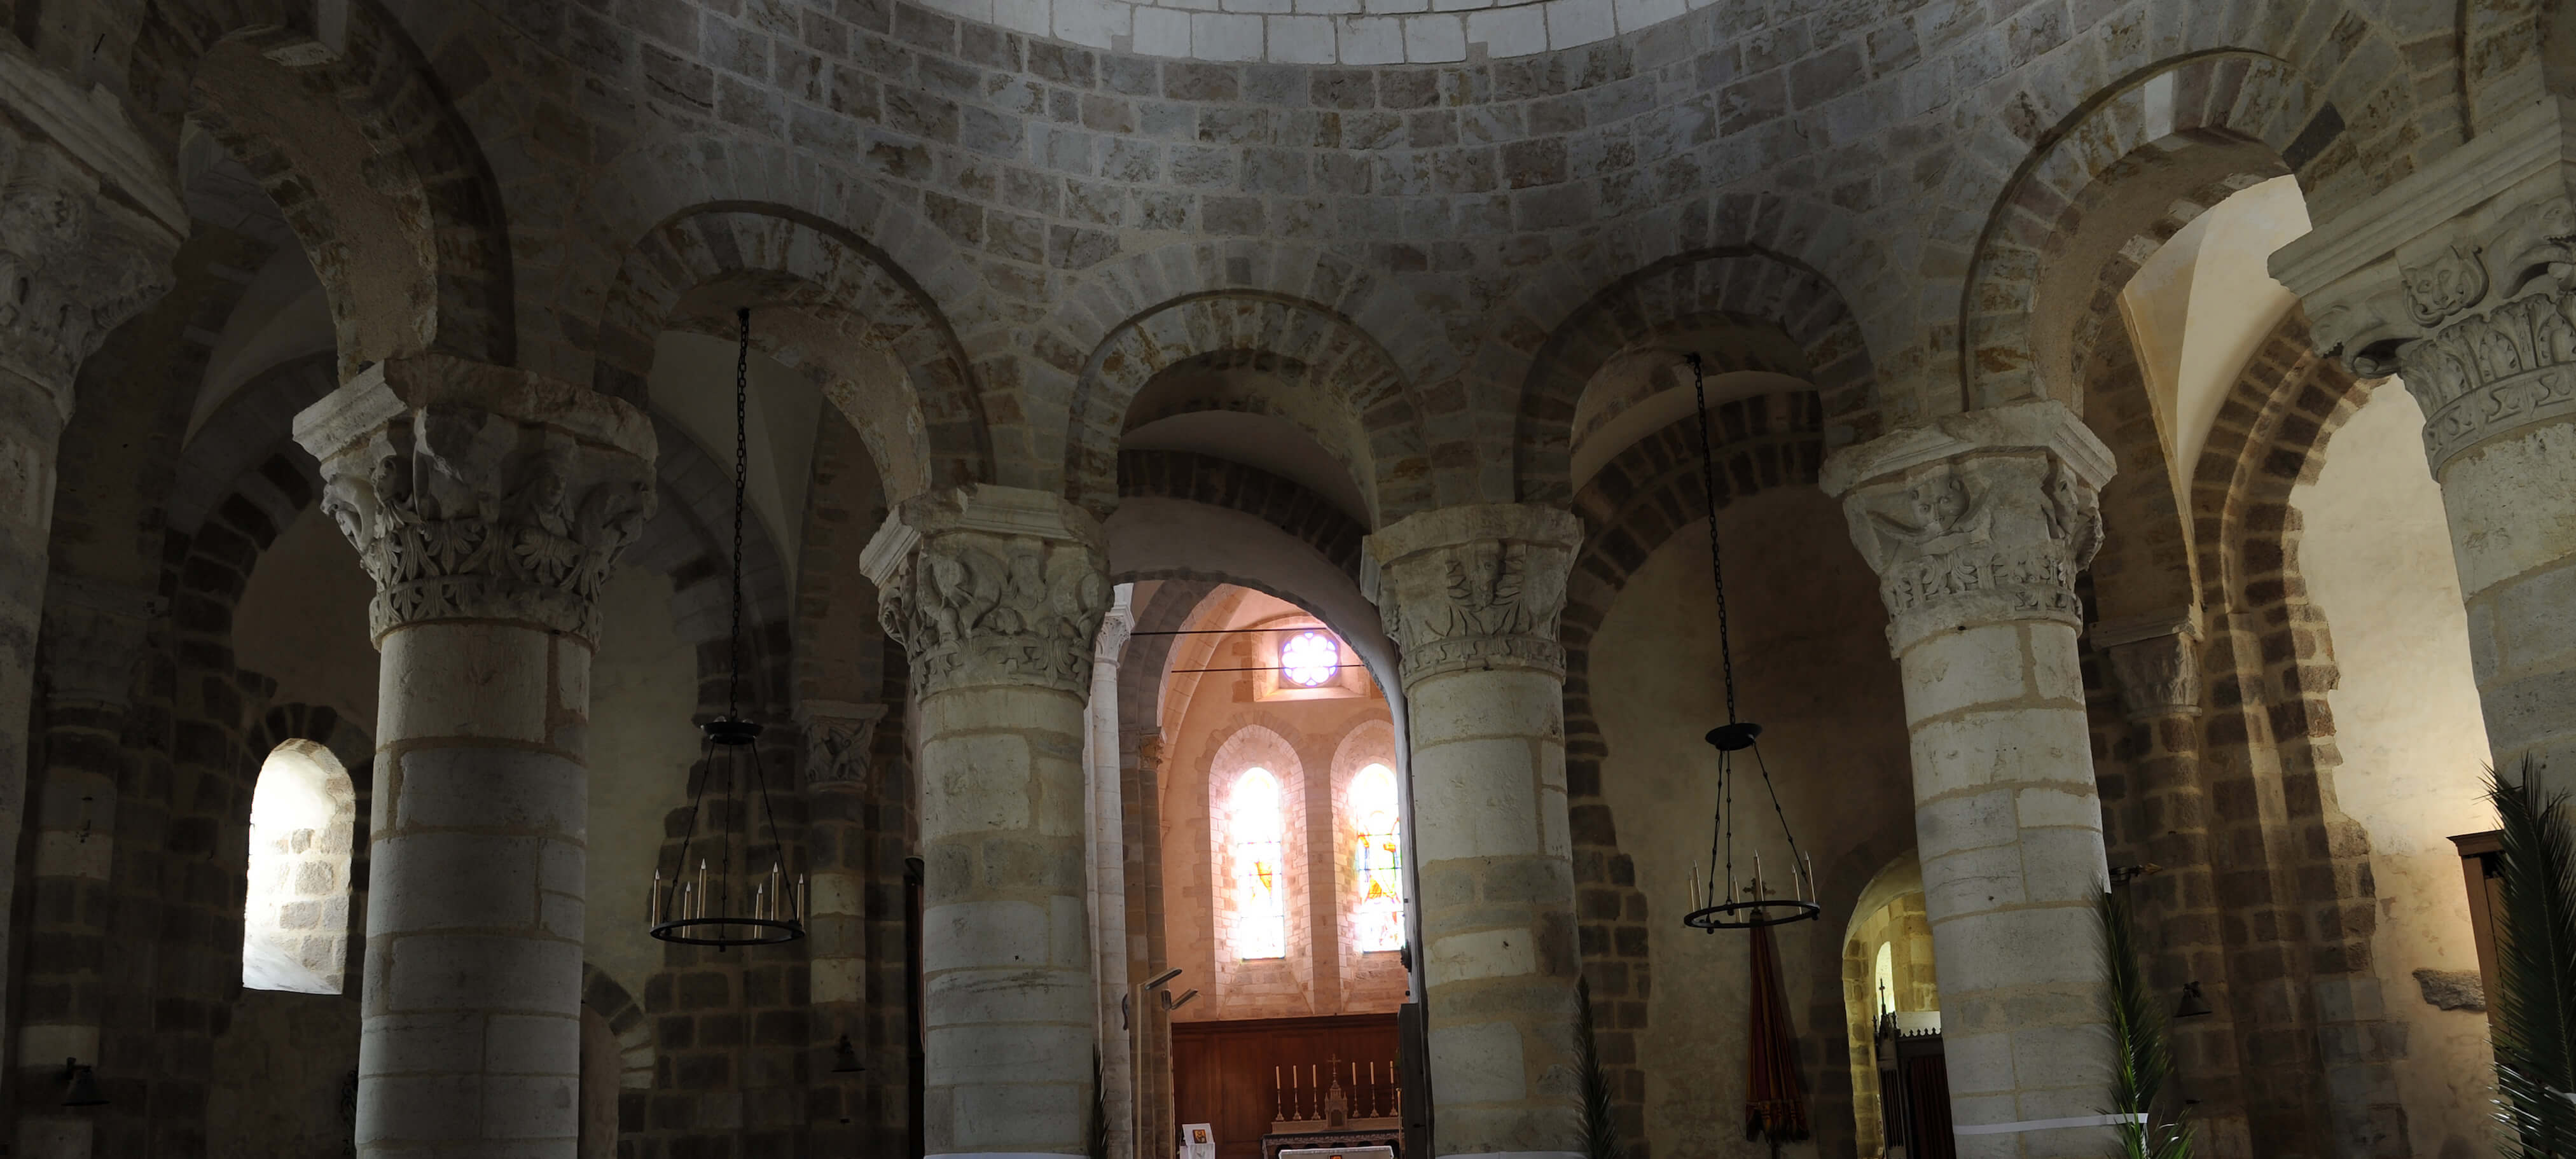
{"x":295,"y":916}
{"x":1255,"y":829}
{"x":1884,"y":975}
{"x":1309,"y":660}
{"x":1377,"y":902}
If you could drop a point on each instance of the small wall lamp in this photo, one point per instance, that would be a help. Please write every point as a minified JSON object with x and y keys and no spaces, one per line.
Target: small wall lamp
{"x":845,"y":1058}
{"x":2193,"y":1004}
{"x":81,"y":1085}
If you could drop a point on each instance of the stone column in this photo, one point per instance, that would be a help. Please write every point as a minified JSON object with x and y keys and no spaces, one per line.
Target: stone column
{"x":996,"y":593}
{"x":2461,"y":279}
{"x":1149,"y":1036}
{"x":1108,"y":872}
{"x":488,"y":506}
{"x":1470,"y":596}
{"x":1977,"y":527}
{"x":2155,"y":663}
{"x":88,"y":224}
{"x":94,"y":635}
{"x":847,"y":967}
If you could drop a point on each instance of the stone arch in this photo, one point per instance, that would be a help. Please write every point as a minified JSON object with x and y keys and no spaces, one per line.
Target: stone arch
{"x":821,"y":294}
{"x":2513,"y":54}
{"x":1322,"y":356}
{"x":1640,"y":499}
{"x":2109,"y":183}
{"x":2267,"y":663}
{"x":252,"y":433}
{"x":1666,"y":300}
{"x":602,"y":995}
{"x":667,"y":179}
{"x":1302,"y":514}
{"x":376,"y":174}
{"x":1898,"y":886}
{"x":2145,"y":567}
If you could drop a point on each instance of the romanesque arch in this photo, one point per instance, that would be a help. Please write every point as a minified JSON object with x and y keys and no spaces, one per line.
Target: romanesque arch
{"x":1665,"y":302}
{"x":378,"y":177}
{"x":826,"y":301}
{"x":1333,"y":379}
{"x":2106,"y":185}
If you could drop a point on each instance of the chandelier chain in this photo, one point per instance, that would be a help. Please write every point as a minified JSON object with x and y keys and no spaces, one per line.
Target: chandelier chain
{"x":741,"y":479}
{"x":1716,"y":560}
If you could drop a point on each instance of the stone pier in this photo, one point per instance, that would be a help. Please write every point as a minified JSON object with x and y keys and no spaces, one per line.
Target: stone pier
{"x":1977,"y":527}
{"x":88,"y":224}
{"x":2457,"y":280}
{"x":996,"y":594}
{"x":1471,"y":597}
{"x":488,"y":506}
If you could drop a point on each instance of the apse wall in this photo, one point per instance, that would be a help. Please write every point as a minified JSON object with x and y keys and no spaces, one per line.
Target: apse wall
{"x":1205,"y":750}
{"x":2377,"y":556}
{"x":1813,"y":669}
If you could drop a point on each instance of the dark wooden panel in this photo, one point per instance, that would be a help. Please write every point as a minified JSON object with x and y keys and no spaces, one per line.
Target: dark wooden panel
{"x":1221,"y":1071}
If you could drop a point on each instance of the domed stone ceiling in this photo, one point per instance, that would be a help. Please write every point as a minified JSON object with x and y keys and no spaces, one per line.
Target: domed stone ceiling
{"x":1354,"y":32}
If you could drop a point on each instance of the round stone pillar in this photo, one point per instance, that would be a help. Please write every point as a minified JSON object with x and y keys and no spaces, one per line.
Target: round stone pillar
{"x":996,"y":594}
{"x":1977,"y":527}
{"x":2498,"y":390}
{"x":2458,"y":279}
{"x":1470,"y":596}
{"x":488,"y":506}
{"x":88,"y":225}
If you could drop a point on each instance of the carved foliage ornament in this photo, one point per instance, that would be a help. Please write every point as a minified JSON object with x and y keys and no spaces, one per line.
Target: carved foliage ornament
{"x":458,"y":513}
{"x":837,"y":742}
{"x":69,"y":270}
{"x":1477,"y":604}
{"x":976,"y":608}
{"x":1983,"y":538}
{"x":2494,"y":371}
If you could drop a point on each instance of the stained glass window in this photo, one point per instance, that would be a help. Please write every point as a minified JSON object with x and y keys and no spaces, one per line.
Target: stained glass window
{"x":1309,"y":659}
{"x":1378,"y":904}
{"x":1254,"y":827}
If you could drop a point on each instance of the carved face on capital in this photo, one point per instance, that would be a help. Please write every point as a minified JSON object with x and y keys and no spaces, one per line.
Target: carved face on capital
{"x":1938,"y":502}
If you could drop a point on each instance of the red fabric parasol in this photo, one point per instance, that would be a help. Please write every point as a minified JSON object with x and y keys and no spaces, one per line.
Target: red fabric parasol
{"x":1775,"y":1106}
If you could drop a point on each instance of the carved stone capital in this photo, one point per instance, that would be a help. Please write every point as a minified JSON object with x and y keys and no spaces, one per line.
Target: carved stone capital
{"x":2156,"y":662}
{"x":991,"y":585}
{"x":94,"y":633}
{"x":477,"y":492}
{"x":1475,"y":586}
{"x":1981,"y":517}
{"x":75,"y":263}
{"x":838,"y":739}
{"x":2458,"y":278}
{"x":1118,"y":623}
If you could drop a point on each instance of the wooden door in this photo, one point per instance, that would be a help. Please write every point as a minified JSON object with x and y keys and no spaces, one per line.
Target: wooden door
{"x":1222,"y":1072}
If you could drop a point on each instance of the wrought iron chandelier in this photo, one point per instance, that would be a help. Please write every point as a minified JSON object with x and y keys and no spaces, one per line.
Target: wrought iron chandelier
{"x":1721,"y":901}
{"x":730,"y":895}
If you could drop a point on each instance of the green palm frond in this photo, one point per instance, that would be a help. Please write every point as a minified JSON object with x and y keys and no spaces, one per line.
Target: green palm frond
{"x":2145,"y":1060}
{"x":2535,"y":1004}
{"x":1600,"y":1125}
